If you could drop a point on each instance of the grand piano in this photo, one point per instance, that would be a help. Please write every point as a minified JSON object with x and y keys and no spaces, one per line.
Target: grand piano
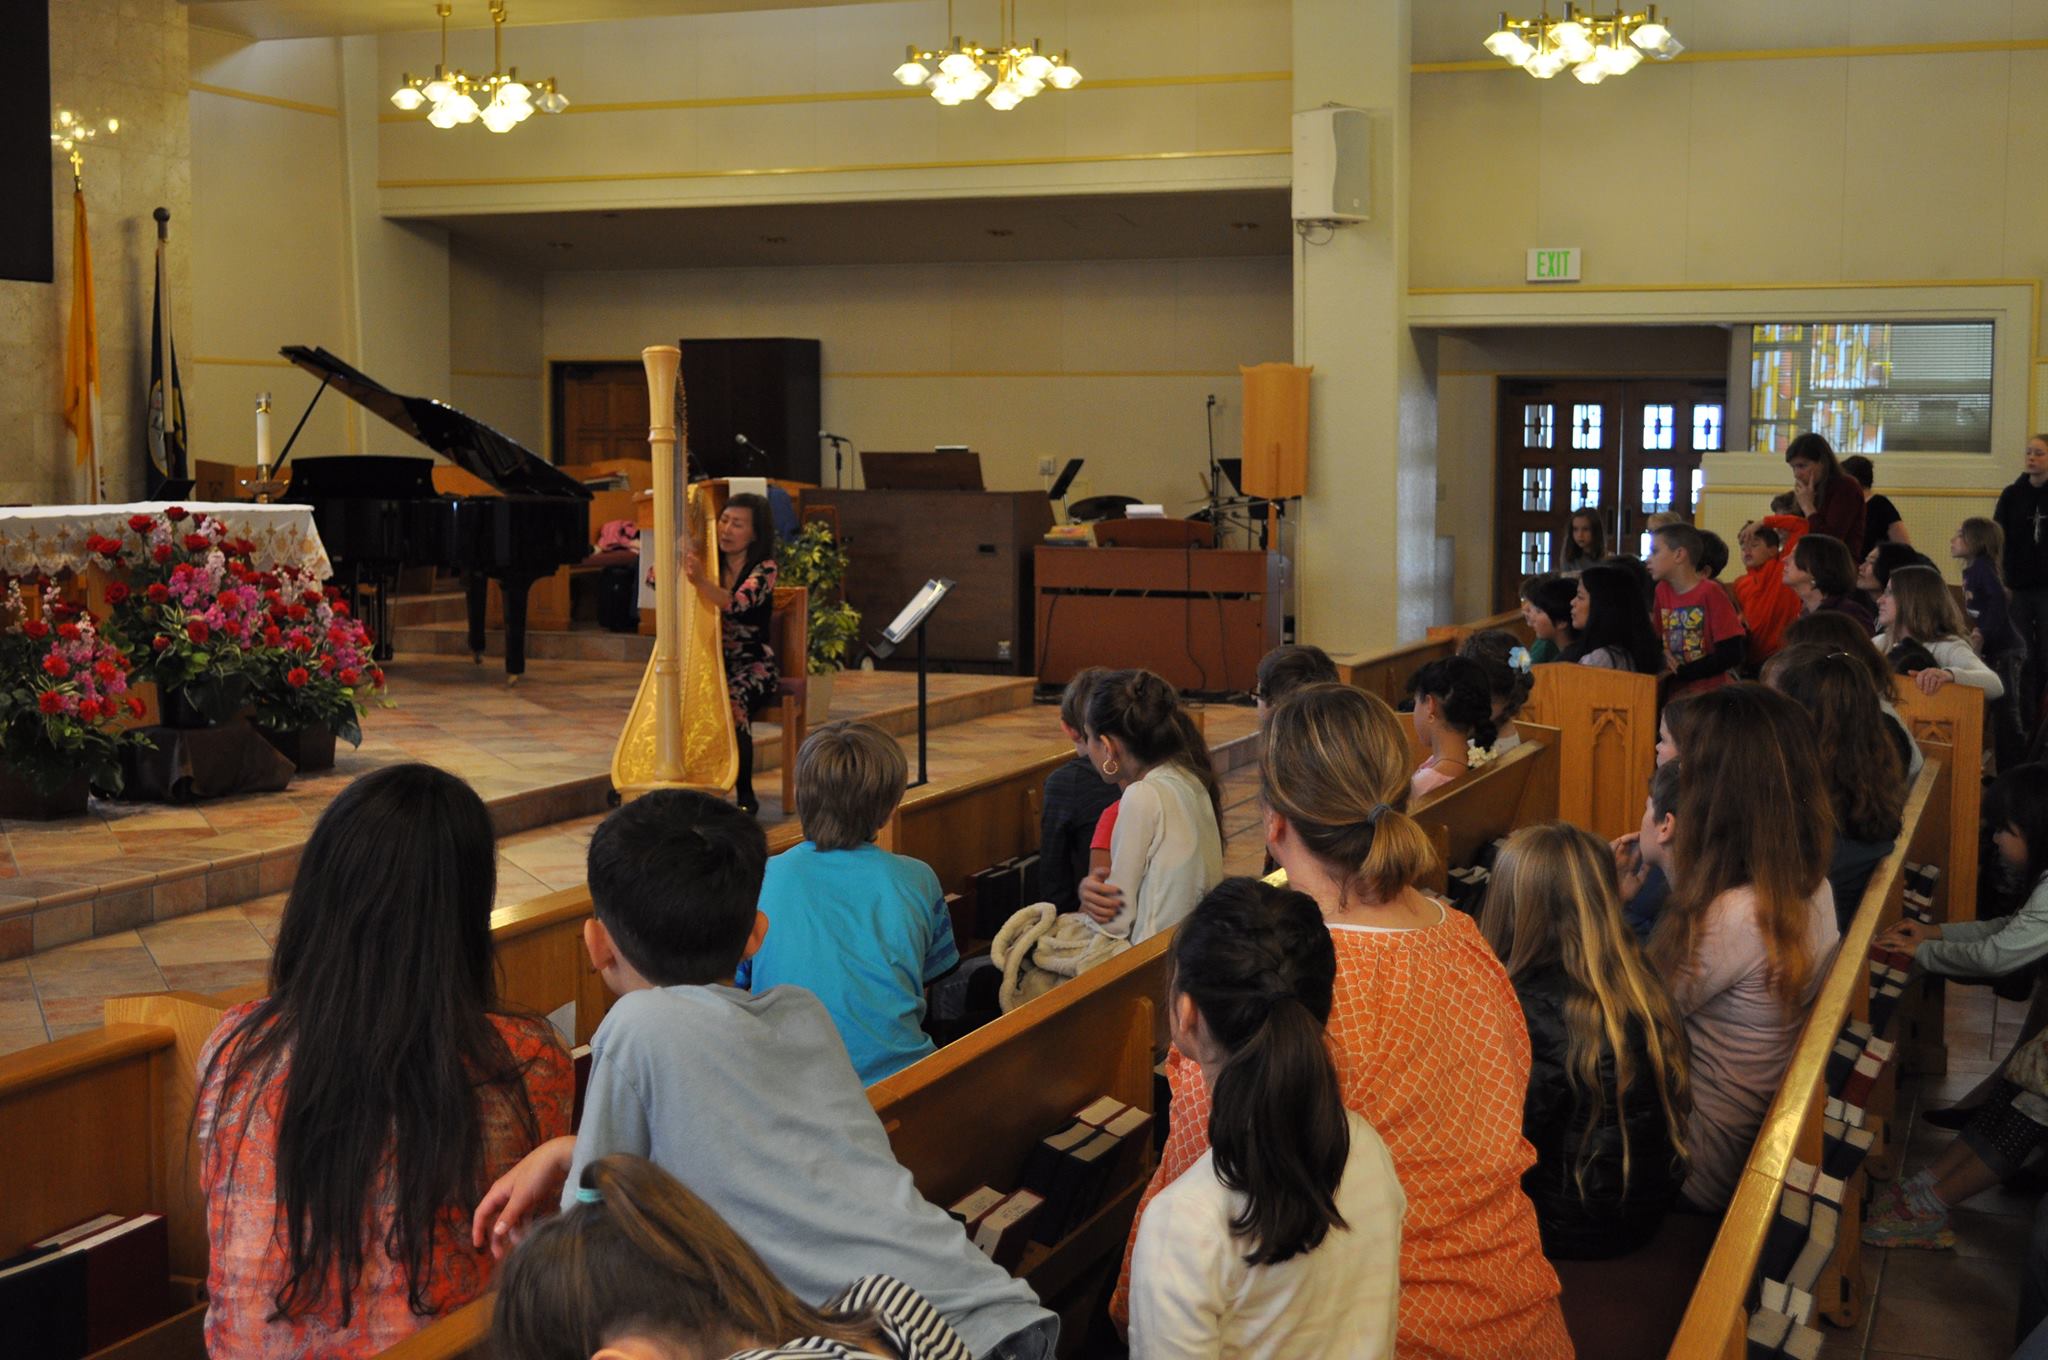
{"x":378,"y":514}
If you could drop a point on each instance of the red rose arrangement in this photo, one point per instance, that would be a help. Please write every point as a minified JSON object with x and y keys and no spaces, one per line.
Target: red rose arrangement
{"x":63,"y":692}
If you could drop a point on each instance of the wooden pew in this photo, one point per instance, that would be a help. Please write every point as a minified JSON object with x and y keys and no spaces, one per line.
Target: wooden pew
{"x":961,"y":829}
{"x":1476,"y":809}
{"x":1716,"y":1321}
{"x":1953,"y":716}
{"x":1607,"y":722}
{"x":1387,"y":673}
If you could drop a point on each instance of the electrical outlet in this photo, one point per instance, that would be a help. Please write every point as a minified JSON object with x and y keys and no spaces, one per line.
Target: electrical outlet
{"x":1046,"y":467}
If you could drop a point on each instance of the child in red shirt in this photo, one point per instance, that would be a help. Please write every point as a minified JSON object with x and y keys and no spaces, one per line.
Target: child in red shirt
{"x":1768,"y":605}
{"x":1703,"y":635}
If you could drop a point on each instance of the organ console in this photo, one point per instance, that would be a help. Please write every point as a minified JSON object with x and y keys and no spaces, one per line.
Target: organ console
{"x":377,"y":514}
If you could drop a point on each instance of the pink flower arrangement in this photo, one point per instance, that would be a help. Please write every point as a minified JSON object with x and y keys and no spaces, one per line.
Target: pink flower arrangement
{"x":63,"y":691}
{"x":319,"y":659}
{"x":193,"y":610}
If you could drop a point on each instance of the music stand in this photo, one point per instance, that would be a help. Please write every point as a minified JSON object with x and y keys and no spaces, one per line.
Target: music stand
{"x":910,"y":620}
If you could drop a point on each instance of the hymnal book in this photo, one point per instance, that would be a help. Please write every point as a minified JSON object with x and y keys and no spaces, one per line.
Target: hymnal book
{"x":975,"y":1207}
{"x":1134,"y":1126}
{"x":89,"y":1228}
{"x":1767,"y":1331}
{"x":1042,"y":1167}
{"x":1005,"y":1229}
{"x":127,"y":1279}
{"x":44,"y":1301}
{"x":1098,"y":1114}
{"x":1869,"y":1067}
{"x":1803,"y":1343}
{"x":1820,"y":1246}
{"x":1844,"y":1149}
{"x":1077,"y":1188}
{"x":1841,"y":1062}
{"x":1786,"y":1235}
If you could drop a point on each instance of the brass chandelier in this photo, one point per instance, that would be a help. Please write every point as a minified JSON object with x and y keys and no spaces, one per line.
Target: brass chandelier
{"x":500,"y":101}
{"x":1594,"y":45}
{"x":1009,"y":72}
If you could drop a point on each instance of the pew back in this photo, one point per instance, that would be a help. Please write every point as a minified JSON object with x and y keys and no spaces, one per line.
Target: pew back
{"x":1607,"y":721}
{"x":961,"y":829}
{"x":1953,"y":716}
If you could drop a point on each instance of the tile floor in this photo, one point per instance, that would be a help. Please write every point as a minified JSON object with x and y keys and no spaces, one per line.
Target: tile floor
{"x":59,"y":991}
{"x":1948,"y":1305}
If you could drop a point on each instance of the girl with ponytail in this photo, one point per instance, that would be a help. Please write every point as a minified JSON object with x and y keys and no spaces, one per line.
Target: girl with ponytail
{"x":1282,"y":1239}
{"x":1453,"y":720}
{"x":1166,"y":848}
{"x":1425,"y":1032}
{"x":641,"y":1266}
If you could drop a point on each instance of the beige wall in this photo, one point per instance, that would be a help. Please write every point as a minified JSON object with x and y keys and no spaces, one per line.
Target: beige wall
{"x":1469,"y":366}
{"x":269,"y":242}
{"x":1810,"y":173}
{"x":1106,"y":361}
{"x":798,"y":104}
{"x":128,"y":59}
{"x":494,"y":344}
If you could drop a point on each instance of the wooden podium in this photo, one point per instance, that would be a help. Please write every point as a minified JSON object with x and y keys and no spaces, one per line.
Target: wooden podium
{"x":1200,"y":617}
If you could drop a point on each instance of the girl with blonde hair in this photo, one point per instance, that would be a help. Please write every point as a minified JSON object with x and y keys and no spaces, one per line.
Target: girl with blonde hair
{"x":1608,"y":1091}
{"x":1747,"y":932}
{"x":1424,"y":1027}
{"x":1917,"y":607}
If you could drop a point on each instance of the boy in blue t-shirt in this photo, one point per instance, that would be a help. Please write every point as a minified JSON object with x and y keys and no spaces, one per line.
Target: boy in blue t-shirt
{"x":861,"y":929}
{"x":748,"y":1100}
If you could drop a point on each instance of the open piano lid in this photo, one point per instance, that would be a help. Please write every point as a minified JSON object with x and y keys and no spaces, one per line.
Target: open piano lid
{"x":470,"y":444}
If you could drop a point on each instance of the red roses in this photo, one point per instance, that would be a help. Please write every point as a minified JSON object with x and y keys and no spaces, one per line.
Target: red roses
{"x":50,"y":701}
{"x":297,"y":677}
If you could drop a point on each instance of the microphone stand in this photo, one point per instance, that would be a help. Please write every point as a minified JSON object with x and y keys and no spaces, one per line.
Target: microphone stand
{"x":838,"y":459}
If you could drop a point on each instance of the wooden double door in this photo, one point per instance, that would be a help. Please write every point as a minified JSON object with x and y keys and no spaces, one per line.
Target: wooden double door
{"x":1624,"y":449}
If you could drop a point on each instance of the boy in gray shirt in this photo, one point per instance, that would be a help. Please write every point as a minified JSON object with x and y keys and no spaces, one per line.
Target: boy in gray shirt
{"x":751,"y":1101}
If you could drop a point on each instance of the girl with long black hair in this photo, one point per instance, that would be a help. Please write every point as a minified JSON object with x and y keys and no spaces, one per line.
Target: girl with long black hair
{"x":1284,"y":1238}
{"x":1612,"y":623}
{"x":350,"y":1120}
{"x":743,"y":589}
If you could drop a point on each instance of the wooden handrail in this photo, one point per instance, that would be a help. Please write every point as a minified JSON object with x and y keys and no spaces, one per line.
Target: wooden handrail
{"x":1715,"y":1320}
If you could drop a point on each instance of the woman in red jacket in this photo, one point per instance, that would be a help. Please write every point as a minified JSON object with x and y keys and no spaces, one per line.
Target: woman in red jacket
{"x":1829,"y":498}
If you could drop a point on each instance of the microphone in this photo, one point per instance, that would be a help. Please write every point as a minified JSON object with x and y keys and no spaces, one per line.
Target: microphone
{"x":751,"y":447}
{"x":835,"y":438}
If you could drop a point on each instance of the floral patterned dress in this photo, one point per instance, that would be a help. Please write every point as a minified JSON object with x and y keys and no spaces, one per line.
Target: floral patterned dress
{"x":750,"y":674}
{"x":238,"y":1177}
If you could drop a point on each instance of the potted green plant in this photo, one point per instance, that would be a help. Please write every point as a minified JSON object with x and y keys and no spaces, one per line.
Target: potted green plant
{"x":815,"y":561}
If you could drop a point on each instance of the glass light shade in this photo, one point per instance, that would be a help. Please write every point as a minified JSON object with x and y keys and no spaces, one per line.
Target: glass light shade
{"x":464,"y":109}
{"x":1544,"y":64}
{"x":1650,"y":36}
{"x":64,"y":117}
{"x":406,"y":98}
{"x":978,"y":81}
{"x":1668,"y":49}
{"x":1004,"y":97}
{"x":949,"y":90}
{"x":1035,"y":67}
{"x":522,"y":112}
{"x":514,"y":91}
{"x":1619,"y":61}
{"x":1063,"y":77}
{"x":113,"y":125}
{"x":443,"y":115}
{"x":911,"y":72}
{"x":554,"y":101}
{"x":440,"y":89}
{"x":1027,"y":88}
{"x":499,"y":116}
{"x":957,"y":65}
{"x":1590,"y":72}
{"x":1509,"y":46}
{"x":1571,"y":39}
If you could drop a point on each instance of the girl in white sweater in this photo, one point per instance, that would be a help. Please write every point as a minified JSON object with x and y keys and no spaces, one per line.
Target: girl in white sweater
{"x":1167,"y":849}
{"x":1284,"y":1238}
{"x":1916,"y":606}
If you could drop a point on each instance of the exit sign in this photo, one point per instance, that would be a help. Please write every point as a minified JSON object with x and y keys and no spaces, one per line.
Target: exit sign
{"x":1554,"y":265}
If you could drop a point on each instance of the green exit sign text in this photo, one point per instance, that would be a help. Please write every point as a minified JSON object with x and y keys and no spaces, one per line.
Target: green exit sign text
{"x":1554,"y":265}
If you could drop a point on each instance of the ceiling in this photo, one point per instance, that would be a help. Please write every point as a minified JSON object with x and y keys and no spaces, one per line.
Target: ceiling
{"x":341,"y":18}
{"x":1102,"y":227}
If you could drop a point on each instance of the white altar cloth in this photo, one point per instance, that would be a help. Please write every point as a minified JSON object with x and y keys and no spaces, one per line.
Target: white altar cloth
{"x":52,"y":538}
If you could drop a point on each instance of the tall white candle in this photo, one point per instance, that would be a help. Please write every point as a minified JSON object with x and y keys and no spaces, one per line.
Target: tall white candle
{"x":263,"y":431}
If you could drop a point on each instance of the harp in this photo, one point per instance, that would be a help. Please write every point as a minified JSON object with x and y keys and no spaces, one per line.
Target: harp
{"x":679,"y":734}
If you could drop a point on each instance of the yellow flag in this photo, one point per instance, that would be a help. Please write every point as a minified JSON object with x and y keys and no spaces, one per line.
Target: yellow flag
{"x":82,"y":344}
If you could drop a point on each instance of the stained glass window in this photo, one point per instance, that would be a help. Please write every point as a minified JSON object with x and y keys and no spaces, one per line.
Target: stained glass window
{"x":1586,"y":426}
{"x":1706,"y":427}
{"x":1657,"y":426}
{"x":1536,"y":490}
{"x":1535,"y":551}
{"x":1585,"y":488}
{"x":1538,"y":420}
{"x":1656,"y":490}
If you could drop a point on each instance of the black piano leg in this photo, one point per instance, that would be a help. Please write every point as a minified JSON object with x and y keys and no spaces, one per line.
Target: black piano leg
{"x":380,"y":614}
{"x":477,"y":590}
{"x":513,"y":589}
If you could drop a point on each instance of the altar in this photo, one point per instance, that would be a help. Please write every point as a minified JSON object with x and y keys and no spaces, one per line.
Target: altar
{"x":53,"y":539}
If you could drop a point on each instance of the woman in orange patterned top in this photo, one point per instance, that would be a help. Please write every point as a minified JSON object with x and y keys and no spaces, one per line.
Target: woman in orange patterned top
{"x":1427,"y":1035}
{"x":350,"y":1120}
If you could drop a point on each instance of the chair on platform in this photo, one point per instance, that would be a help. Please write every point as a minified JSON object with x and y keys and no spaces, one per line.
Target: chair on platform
{"x":789,"y":632}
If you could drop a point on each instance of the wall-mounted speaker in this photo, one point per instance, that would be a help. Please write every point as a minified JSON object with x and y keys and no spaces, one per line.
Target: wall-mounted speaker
{"x":1333,"y":165}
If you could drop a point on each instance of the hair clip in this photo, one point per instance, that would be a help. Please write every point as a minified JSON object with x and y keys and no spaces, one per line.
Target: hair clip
{"x":1519,"y":659}
{"x":589,"y":1194}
